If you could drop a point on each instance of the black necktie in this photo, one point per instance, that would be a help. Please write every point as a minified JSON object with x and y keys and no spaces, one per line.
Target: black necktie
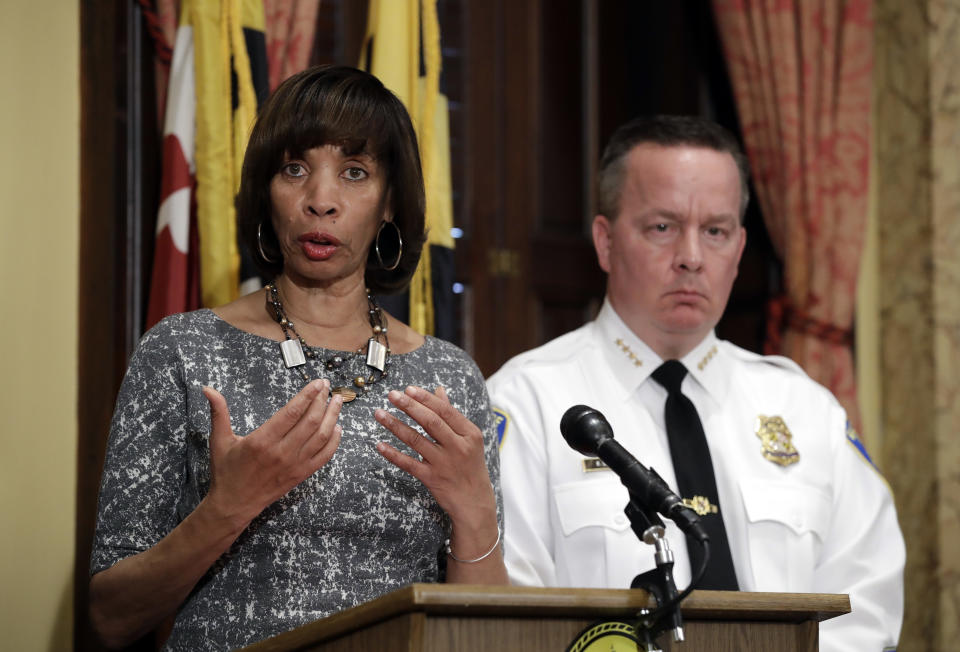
{"x":695,"y":480}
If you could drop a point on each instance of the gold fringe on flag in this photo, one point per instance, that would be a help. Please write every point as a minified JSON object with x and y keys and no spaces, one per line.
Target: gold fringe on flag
{"x":395,"y":27}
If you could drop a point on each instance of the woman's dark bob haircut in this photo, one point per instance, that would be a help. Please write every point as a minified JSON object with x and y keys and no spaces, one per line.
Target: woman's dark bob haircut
{"x":335,"y":105}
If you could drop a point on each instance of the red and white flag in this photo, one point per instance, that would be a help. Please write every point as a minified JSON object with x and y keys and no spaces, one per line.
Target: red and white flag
{"x":175,"y":282}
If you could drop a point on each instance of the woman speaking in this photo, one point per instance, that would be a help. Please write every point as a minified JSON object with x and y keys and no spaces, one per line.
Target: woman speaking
{"x":248,"y":486}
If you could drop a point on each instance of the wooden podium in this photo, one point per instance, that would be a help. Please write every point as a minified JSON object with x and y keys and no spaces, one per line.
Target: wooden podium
{"x":464,"y":618}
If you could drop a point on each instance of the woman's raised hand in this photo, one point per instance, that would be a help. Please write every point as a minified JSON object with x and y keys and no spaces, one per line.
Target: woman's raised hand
{"x":452,"y":465}
{"x":249,"y":473}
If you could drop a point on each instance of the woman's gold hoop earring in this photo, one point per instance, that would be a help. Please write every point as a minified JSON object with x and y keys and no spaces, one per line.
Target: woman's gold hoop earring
{"x":376,"y":246}
{"x":263,"y":254}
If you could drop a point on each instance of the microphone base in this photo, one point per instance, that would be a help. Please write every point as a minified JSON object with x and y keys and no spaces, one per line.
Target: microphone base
{"x":657,"y":581}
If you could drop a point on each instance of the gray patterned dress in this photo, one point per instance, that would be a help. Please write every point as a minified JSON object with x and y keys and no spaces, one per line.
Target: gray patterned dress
{"x":356,"y":529}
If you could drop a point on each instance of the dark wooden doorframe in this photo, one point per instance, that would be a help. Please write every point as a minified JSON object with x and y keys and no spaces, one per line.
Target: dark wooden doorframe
{"x":117,"y":151}
{"x":525,"y":260}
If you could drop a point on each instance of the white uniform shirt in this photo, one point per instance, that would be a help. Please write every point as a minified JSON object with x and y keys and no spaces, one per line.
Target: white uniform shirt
{"x":825,"y":524}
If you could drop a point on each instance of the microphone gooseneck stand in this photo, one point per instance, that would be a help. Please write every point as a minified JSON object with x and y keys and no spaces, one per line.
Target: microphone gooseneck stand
{"x":588,"y":432}
{"x":658,"y":581}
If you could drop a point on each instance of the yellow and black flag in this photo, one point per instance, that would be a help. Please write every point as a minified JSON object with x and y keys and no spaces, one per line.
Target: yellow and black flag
{"x":402,"y":49}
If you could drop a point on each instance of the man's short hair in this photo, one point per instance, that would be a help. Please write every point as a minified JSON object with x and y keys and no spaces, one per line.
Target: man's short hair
{"x":665,"y":131}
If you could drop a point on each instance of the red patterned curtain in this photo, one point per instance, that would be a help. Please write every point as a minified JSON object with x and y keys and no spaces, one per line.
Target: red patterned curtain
{"x":801,"y":74}
{"x":290,"y":29}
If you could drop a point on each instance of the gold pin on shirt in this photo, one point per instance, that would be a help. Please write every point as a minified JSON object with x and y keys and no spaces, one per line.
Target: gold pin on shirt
{"x":701,"y":505}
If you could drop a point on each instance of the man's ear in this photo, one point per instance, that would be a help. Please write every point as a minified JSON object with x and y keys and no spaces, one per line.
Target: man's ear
{"x":601,"y":240}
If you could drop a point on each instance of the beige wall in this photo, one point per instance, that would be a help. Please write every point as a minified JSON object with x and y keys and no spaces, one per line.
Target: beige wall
{"x":39,"y":220}
{"x":918,"y":230}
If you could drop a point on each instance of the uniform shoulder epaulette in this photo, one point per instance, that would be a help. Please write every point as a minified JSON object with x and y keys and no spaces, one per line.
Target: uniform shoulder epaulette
{"x":780,"y":361}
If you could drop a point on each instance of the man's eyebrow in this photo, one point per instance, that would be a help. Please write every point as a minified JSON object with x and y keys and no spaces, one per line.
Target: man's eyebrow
{"x":661,"y":213}
{"x":722,"y":217}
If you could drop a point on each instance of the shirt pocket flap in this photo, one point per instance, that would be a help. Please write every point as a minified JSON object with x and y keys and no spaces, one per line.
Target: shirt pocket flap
{"x":591,"y":503}
{"x":801,"y":507}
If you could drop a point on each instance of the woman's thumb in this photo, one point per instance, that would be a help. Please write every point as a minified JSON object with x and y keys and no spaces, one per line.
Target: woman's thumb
{"x":220,"y":430}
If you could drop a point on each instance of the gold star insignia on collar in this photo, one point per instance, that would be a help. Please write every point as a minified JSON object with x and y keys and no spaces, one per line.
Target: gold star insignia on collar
{"x":707,"y":358}
{"x":630,"y":354}
{"x":701,"y":505}
{"x":777,"y":441}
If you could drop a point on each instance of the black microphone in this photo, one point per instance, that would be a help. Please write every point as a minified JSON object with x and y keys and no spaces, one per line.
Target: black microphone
{"x":589,"y":433}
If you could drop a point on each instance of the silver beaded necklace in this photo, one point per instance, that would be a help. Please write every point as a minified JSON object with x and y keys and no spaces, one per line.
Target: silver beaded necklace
{"x":295,"y":352}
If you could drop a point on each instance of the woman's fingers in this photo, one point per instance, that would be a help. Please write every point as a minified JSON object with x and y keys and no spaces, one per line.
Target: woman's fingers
{"x":453,"y":439}
{"x":325,"y":454}
{"x":440,"y":403}
{"x":435,"y":415}
{"x":280,"y":424}
{"x":402,"y":461}
{"x":251,"y":472}
{"x":422,"y":445}
{"x":452,"y":465}
{"x":320,"y":431}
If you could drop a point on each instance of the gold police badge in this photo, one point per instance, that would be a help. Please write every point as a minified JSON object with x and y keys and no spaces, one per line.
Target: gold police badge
{"x":777,"y":441}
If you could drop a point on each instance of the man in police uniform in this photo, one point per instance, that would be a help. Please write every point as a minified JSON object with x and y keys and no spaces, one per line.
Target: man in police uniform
{"x":804,"y":509}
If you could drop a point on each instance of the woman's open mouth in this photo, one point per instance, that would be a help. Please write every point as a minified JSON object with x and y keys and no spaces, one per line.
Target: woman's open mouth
{"x":318,"y":246}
